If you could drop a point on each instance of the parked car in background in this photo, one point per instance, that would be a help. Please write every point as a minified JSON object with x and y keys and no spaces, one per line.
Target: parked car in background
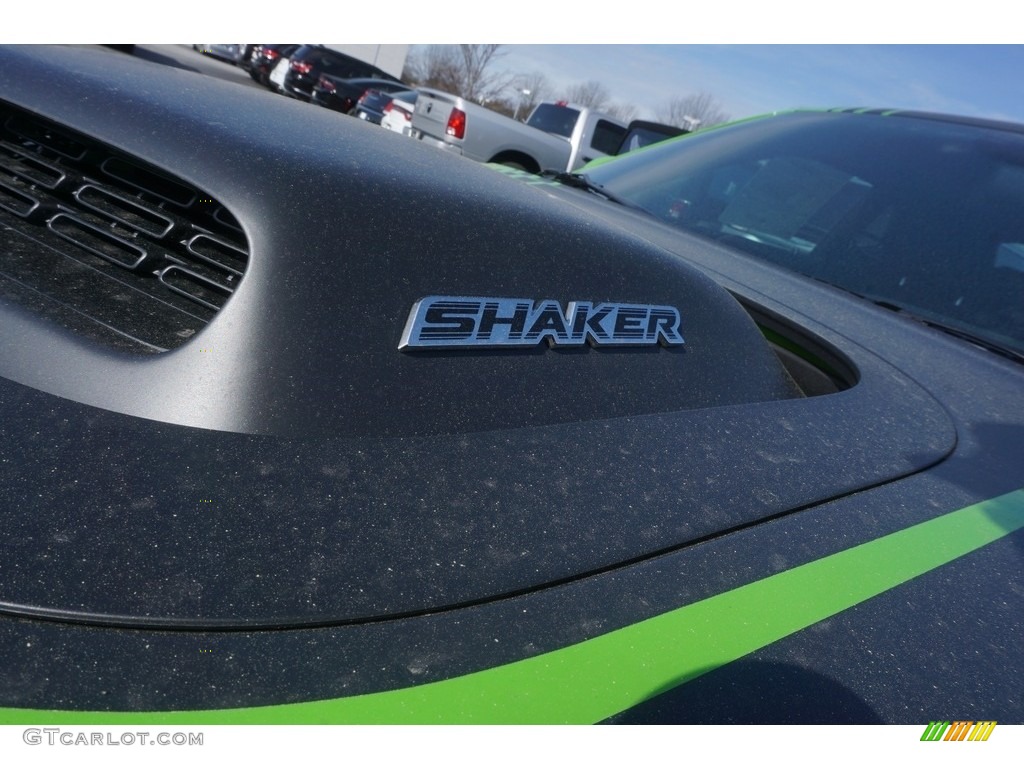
{"x":397,"y":115}
{"x":245,"y":57}
{"x":643,"y":133}
{"x":310,"y":62}
{"x":557,"y":136}
{"x":343,"y":95}
{"x":275,"y":80}
{"x":265,"y":58}
{"x":229,"y":52}
{"x":374,"y":101}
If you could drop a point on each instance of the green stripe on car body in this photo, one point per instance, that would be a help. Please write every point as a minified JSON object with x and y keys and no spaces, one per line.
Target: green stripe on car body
{"x":597,"y":678}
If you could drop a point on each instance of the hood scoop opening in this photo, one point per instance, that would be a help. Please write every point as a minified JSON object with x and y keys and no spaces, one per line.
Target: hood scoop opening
{"x":106,"y":246}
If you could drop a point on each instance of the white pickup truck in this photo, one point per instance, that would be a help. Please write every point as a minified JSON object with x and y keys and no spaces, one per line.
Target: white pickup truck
{"x":557,"y":136}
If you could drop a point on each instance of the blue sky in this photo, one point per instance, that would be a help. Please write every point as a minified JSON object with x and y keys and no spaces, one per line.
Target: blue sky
{"x":981,"y":80}
{"x":748,"y":71}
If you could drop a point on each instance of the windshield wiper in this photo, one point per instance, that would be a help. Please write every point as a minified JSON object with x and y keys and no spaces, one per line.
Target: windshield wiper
{"x":979,"y":341}
{"x":952,"y":330}
{"x":582,"y":181}
{"x":973,"y":338}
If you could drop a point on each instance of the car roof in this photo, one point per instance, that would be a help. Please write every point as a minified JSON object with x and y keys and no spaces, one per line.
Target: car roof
{"x":979,"y":122}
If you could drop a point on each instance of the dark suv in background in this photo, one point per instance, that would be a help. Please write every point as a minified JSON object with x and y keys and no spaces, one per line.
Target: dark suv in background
{"x":309,"y":62}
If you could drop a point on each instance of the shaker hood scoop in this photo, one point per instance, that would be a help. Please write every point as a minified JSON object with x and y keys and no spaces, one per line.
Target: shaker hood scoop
{"x":296,"y":463}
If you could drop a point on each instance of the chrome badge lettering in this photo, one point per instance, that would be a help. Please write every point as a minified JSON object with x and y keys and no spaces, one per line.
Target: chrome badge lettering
{"x":454,"y":322}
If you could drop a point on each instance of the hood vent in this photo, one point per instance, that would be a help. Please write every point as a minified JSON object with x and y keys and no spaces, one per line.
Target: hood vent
{"x":106,"y":245}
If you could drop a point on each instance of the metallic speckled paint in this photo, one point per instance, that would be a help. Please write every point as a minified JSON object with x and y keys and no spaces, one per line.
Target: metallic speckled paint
{"x":630,"y":665}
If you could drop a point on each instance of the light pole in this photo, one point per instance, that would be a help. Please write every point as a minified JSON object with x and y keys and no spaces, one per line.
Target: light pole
{"x":523,"y":92}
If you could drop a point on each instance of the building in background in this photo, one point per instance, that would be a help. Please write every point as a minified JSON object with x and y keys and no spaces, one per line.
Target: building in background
{"x":390,"y":58}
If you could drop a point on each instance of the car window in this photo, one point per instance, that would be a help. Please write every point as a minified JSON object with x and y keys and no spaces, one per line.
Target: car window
{"x":554,"y":118}
{"x":921,"y":214}
{"x":642,"y":137}
{"x":607,"y":137}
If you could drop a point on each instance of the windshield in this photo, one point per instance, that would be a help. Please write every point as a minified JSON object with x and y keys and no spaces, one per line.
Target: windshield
{"x":554,"y":118}
{"x":922,"y":214}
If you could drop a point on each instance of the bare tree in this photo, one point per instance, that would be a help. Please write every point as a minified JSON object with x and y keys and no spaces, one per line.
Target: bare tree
{"x":503,"y":106}
{"x":433,"y":66}
{"x":465,"y":70}
{"x":594,"y":95}
{"x":480,"y":81}
{"x":623,"y":112}
{"x":697,"y":109}
{"x":589,"y":94}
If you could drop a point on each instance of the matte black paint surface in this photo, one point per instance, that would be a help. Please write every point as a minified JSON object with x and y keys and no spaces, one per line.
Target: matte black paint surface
{"x":307,"y":345}
{"x":158,"y":522}
{"x":282,"y":510}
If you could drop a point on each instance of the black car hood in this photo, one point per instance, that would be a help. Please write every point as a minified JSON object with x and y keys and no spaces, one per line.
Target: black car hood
{"x":289,"y":465}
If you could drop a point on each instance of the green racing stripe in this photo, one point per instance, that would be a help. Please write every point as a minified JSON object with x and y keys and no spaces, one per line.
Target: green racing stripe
{"x":597,"y":678}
